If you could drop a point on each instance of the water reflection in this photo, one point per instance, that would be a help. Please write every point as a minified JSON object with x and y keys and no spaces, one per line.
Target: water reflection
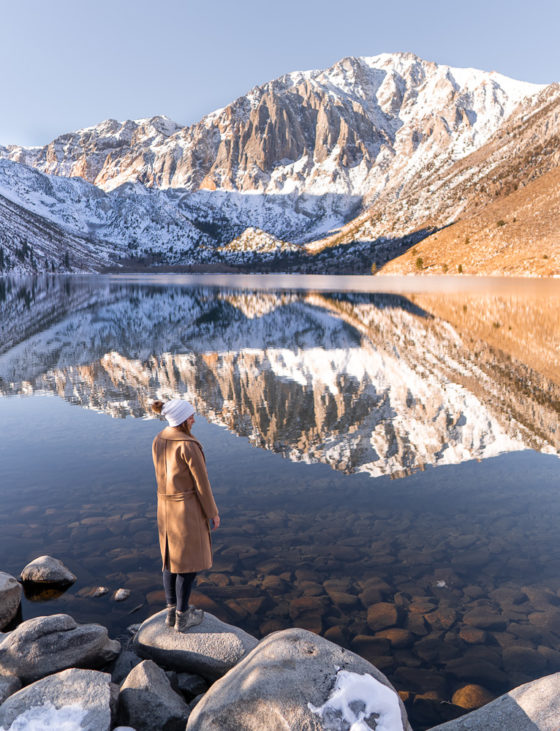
{"x":377,"y":383}
{"x":466,"y":555}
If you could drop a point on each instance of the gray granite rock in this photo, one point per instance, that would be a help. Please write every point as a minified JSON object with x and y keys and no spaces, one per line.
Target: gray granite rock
{"x":294,"y":679}
{"x":8,"y":684}
{"x":148,"y":702}
{"x":123,"y":665}
{"x":210,"y":649}
{"x":44,"y":645}
{"x":191,"y":685}
{"x":46,"y":701}
{"x":534,"y":706}
{"x":10,"y":598}
{"x":47,"y":570}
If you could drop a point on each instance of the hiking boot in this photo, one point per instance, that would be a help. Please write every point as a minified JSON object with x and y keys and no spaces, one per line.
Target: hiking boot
{"x":188,"y":619}
{"x":170,"y":619}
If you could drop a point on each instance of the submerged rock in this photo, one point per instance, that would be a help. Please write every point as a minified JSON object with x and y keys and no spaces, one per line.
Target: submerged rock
{"x":382,"y":615}
{"x":83,"y":698}
{"x":210,"y":649}
{"x":147,"y":701}
{"x":472,"y":696}
{"x":10,"y":598}
{"x":121,"y":594}
{"x":44,"y":645}
{"x":295,"y":679}
{"x":534,"y":706}
{"x":47,"y":570}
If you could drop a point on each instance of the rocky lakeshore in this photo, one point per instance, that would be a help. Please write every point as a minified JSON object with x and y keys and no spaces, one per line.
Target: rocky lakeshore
{"x":217,"y":676}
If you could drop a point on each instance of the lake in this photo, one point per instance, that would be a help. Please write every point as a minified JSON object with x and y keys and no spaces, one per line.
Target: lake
{"x":384,"y":453}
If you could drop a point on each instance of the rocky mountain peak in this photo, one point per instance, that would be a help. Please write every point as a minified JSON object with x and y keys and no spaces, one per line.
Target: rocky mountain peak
{"x":343,"y":130}
{"x":296,"y":158}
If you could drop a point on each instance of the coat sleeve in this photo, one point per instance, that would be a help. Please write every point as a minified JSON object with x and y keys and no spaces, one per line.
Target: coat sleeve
{"x":197,"y":466}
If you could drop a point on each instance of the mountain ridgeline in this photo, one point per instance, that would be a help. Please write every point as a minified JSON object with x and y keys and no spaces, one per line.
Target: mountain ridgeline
{"x":328,"y":170}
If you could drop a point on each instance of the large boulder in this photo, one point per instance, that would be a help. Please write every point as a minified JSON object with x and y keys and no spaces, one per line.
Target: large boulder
{"x":10,"y":598}
{"x":8,"y":684}
{"x":147,"y":700}
{"x":210,"y":649}
{"x":47,"y":570}
{"x":295,"y":679}
{"x":77,"y":699}
{"x":534,"y":706}
{"x":44,"y":645}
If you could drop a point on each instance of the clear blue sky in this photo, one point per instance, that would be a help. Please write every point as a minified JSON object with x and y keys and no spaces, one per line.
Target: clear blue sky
{"x":66,"y":64}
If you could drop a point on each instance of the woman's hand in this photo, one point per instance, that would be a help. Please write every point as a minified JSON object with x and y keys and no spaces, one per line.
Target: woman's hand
{"x":215,"y":522}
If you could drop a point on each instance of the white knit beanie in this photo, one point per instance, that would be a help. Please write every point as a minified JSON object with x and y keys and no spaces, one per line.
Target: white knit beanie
{"x":177,"y":411}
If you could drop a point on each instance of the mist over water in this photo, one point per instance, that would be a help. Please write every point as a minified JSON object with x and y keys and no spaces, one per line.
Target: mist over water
{"x":385,"y":462}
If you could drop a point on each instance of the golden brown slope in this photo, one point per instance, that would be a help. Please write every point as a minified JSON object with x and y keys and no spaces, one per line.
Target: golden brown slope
{"x":518,"y":234}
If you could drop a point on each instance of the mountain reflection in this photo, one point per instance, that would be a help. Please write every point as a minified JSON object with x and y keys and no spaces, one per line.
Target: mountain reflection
{"x":371,"y":383}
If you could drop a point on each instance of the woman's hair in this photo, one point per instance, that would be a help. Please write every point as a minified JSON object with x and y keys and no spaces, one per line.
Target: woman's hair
{"x":157,"y":407}
{"x":185,"y":426}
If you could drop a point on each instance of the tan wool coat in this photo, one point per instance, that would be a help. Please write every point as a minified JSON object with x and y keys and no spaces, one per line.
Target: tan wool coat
{"x":185,"y":502}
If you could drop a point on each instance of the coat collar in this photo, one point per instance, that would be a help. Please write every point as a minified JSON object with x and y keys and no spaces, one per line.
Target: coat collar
{"x":173,"y":434}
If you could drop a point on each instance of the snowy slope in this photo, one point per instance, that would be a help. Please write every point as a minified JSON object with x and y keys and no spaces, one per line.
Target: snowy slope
{"x":133,"y":222}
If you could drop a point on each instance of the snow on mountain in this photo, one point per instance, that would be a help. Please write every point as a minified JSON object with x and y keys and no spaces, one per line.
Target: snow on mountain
{"x":295,"y":157}
{"x":85,"y":153}
{"x":520,"y":153}
{"x":112,"y":227}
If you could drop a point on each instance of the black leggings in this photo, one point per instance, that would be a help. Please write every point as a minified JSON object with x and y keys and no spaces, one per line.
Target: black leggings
{"x":178,"y":588}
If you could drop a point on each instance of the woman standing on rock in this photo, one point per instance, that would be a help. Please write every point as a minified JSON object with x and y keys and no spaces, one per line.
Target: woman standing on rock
{"x":186,"y":510}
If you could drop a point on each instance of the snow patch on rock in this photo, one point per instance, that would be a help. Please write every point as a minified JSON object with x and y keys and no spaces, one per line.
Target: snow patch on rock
{"x":49,"y":718}
{"x":354,"y":699}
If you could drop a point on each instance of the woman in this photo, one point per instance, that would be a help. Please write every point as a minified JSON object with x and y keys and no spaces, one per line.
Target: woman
{"x":186,"y":510}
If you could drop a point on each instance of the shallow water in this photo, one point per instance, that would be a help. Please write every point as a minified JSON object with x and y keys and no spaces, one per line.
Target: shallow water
{"x":310,"y":405}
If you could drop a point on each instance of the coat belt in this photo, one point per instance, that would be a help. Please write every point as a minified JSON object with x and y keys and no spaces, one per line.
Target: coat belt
{"x":175,"y":496}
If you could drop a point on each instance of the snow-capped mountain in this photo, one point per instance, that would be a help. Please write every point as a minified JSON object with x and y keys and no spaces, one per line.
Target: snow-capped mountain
{"x":372,"y":384}
{"x":294,"y":158}
{"x":345,"y":130}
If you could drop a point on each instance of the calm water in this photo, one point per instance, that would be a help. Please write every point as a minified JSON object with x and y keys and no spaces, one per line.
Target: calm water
{"x":365,"y":449}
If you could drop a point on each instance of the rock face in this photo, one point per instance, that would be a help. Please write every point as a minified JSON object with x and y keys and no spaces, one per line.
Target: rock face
{"x":81,"y":698}
{"x":44,"y":645}
{"x":534,"y":706}
{"x":210,"y":649}
{"x":47,"y":570}
{"x":370,"y":118}
{"x":513,"y":177}
{"x":10,"y":598}
{"x":148,"y":702}
{"x":298,"y":680}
